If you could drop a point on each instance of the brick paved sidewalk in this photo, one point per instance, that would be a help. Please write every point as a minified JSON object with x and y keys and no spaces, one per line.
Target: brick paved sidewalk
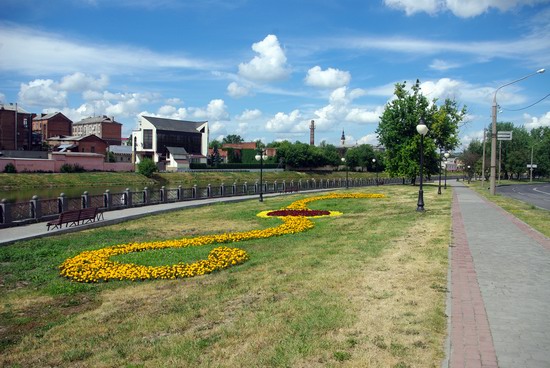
{"x":500,"y":272}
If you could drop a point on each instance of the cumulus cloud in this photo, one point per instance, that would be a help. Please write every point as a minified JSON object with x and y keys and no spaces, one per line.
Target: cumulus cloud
{"x":216,"y":110}
{"x":235,"y":90}
{"x":269,"y":64}
{"x":282,"y":122}
{"x":371,"y":139}
{"x":248,"y":115}
{"x":342,"y":109}
{"x":78,"y":82}
{"x":42,"y":92}
{"x":460,"y":8}
{"x":532,"y":122}
{"x":330,"y":78}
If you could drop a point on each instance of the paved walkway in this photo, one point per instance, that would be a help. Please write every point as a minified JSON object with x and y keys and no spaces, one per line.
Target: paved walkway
{"x":499,"y":304}
{"x":500,"y":288}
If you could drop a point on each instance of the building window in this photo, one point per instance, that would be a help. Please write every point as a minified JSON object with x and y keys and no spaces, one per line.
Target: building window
{"x":93,"y":149}
{"x":147,"y":138}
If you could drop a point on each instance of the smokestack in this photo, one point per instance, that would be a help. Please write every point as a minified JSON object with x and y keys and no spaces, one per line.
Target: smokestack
{"x":312,"y":133}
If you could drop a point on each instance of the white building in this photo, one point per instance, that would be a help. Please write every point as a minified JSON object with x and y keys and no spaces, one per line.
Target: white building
{"x":156,"y":137}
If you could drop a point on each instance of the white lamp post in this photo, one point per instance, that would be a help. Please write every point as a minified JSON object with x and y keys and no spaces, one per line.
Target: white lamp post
{"x":376,"y":171}
{"x":446,"y":154}
{"x":261,"y":156}
{"x":422,"y":129}
{"x":347,"y":169}
{"x":492,"y":178}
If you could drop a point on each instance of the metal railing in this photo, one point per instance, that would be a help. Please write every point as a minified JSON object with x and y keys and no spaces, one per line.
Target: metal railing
{"x":37,"y":209}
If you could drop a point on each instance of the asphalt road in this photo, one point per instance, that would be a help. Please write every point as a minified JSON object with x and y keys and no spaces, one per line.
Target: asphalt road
{"x":535,"y":194}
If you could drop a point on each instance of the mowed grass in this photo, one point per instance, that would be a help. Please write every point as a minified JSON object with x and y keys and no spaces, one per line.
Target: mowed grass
{"x":366,"y":289}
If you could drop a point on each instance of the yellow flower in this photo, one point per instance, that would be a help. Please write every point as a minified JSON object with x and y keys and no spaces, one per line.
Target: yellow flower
{"x":96,"y":265}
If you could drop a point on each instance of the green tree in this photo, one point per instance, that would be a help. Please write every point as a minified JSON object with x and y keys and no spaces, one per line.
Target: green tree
{"x":147,"y":167}
{"x":397,"y":131}
{"x":360,"y":156}
{"x":540,"y":151}
{"x":232,"y":138}
{"x":214,"y":144}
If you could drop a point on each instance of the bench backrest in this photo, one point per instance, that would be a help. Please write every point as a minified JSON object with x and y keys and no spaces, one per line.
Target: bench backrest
{"x":88,"y":213}
{"x":69,"y":216}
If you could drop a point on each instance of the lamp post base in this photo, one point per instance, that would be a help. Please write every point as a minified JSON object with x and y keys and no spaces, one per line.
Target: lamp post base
{"x":420,"y":204}
{"x":261,"y":197}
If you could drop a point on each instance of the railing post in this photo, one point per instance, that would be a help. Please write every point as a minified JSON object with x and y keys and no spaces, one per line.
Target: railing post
{"x":284,"y":185}
{"x":62,"y":203}
{"x":275,"y":186}
{"x":194,"y":192}
{"x":245,"y":188}
{"x":36,"y":208}
{"x":163,"y":194}
{"x":300,"y":184}
{"x":180,"y":193}
{"x":222,"y":190}
{"x":107,"y":200}
{"x":128,"y":197}
{"x":256,"y":187}
{"x":209,"y":191}
{"x":234,"y":188}
{"x":145,"y":195}
{"x":5,"y":211}
{"x":85,"y":202}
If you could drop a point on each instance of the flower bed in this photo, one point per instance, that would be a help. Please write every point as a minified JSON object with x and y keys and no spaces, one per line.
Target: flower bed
{"x":96,"y":265}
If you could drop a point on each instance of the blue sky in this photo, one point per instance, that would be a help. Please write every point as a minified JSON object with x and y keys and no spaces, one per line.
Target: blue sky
{"x":265,"y":69}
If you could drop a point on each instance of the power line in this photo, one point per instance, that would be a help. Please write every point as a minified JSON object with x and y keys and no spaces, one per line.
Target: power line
{"x":523,"y":108}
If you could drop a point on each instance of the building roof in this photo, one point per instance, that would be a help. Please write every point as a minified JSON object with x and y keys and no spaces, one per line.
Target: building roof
{"x":97,"y":119}
{"x":74,"y":138}
{"x":121,"y":149}
{"x":49,"y":116}
{"x":177,"y":150}
{"x":175,"y":125}
{"x":11,"y":107}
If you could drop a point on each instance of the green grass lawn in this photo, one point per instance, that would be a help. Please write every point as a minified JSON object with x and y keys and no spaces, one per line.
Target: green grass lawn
{"x":363,"y":289}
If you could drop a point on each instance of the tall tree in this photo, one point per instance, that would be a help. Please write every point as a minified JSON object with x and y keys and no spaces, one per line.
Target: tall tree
{"x":232,"y":138}
{"x":397,"y":131}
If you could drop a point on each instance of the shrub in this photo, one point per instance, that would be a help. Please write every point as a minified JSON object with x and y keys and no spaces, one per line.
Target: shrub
{"x":147,"y":167}
{"x":74,"y":168}
{"x":10,"y":168}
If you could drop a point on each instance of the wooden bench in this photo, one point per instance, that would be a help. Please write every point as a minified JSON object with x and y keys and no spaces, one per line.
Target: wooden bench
{"x":289,"y":190}
{"x":74,"y":218}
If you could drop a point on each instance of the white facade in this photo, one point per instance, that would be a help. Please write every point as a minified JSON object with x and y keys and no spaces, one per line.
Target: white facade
{"x":146,"y":138}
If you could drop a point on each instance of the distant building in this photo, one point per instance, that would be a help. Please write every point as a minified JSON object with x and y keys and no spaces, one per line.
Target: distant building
{"x":15,"y":128}
{"x":121,"y":153}
{"x":103,"y":126}
{"x":89,"y":143}
{"x":159,"y":138}
{"x":52,"y":125}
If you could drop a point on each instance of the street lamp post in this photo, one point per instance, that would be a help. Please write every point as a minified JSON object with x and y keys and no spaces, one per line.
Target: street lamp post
{"x":492,"y":178}
{"x":446,"y":154}
{"x":261,"y":156}
{"x":347,"y":169}
{"x":469,"y":174}
{"x":422,"y":129}
{"x":439,"y":186}
{"x":376,"y":171}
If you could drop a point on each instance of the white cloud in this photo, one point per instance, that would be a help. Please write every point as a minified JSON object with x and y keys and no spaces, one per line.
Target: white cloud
{"x":42,"y":92}
{"x":460,"y":8}
{"x":269,"y":64}
{"x":23,"y":51}
{"x":371,"y":139}
{"x":443,"y":65}
{"x":248,"y":115}
{"x":216,"y":110}
{"x":235,"y":90}
{"x":360,"y":115}
{"x":341,"y":109}
{"x":532,"y":122}
{"x":2,"y":98}
{"x":282,"y":122}
{"x":330,"y":78}
{"x":79,"y":82}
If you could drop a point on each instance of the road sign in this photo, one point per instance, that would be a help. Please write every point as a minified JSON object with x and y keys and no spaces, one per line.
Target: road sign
{"x":534,"y":166}
{"x":504,"y":136}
